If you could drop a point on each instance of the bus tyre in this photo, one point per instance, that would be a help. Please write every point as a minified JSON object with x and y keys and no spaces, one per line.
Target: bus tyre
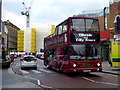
{"x":35,"y":68}
{"x":22,"y":68}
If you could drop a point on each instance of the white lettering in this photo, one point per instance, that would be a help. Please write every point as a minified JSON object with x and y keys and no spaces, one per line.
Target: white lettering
{"x":85,"y":35}
{"x":80,"y":39}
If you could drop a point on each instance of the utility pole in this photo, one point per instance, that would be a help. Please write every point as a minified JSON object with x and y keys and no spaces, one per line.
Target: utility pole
{"x":0,"y":16}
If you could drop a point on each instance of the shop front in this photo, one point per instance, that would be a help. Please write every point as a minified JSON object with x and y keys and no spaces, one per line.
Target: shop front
{"x":105,"y":45}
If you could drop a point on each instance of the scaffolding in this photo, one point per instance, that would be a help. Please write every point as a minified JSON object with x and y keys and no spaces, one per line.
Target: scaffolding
{"x":20,"y":41}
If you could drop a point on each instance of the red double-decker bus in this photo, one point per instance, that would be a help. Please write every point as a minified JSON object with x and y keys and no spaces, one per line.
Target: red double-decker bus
{"x":74,"y":47}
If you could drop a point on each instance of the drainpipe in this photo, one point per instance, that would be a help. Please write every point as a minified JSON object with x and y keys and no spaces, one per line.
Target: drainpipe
{"x":104,"y":14}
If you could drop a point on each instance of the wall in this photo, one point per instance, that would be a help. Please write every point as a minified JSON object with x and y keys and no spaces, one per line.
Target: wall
{"x":27,"y":40}
{"x":41,"y":33}
{"x":11,"y":36}
{"x":20,"y":41}
{"x":33,"y":40}
{"x":114,"y":10}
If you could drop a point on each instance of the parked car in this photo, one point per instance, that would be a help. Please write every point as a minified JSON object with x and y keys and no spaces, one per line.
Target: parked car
{"x":12,"y":58}
{"x":5,"y":60}
{"x":40,"y":55}
{"x":28,"y":61}
{"x":15,"y":56}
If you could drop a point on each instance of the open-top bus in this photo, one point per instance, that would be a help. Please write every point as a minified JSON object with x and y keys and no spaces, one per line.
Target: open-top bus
{"x":74,"y":47}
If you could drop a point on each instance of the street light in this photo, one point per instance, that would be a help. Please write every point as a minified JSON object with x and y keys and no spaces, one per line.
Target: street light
{"x":0,"y":15}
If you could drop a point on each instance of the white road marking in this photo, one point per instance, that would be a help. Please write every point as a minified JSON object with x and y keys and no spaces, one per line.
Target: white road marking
{"x":88,"y":79}
{"x":45,"y":86}
{"x":100,"y":82}
{"x":108,"y":83}
{"x":23,"y":71}
{"x":45,"y":71}
{"x":26,"y":76}
{"x":35,"y":71}
{"x":38,"y":82}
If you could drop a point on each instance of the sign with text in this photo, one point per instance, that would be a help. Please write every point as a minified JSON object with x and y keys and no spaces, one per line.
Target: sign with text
{"x":85,"y":37}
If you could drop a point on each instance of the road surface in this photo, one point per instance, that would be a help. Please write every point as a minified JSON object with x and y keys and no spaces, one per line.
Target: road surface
{"x":47,"y":78}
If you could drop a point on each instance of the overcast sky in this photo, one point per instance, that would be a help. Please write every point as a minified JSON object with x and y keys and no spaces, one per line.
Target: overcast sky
{"x":45,"y":13}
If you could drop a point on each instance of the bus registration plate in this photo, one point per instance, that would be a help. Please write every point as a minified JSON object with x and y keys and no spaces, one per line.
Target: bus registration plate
{"x":86,"y":70}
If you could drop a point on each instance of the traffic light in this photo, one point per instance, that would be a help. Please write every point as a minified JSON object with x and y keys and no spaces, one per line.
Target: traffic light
{"x":118,"y":23}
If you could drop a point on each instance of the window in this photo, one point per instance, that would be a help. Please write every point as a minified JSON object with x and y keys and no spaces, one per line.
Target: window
{"x":84,"y":25}
{"x":59,"y":30}
{"x":56,"y":31}
{"x":65,"y":27}
{"x":118,"y":23}
{"x":91,"y":25}
{"x":77,"y":25}
{"x":83,"y":51}
{"x":51,"y":53}
{"x":62,"y":28}
{"x":28,"y":58}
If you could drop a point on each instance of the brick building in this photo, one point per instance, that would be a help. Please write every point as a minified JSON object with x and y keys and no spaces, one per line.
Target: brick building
{"x":107,"y":21}
{"x":109,"y":31}
{"x":114,"y":10}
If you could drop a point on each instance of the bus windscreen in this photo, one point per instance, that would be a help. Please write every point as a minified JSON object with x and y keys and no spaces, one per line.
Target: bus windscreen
{"x":83,"y":51}
{"x":82,"y":24}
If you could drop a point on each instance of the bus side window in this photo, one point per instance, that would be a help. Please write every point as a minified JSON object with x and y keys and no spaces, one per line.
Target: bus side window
{"x":56,"y":30}
{"x":59,"y":30}
{"x":66,"y":50}
{"x":65,"y":27}
{"x":52,"y":53}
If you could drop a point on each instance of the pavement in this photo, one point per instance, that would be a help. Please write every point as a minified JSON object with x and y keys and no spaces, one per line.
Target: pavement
{"x":13,"y":81}
{"x":106,"y":68}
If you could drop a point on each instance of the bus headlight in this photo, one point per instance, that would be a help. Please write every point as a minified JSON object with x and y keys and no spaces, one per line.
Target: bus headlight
{"x":98,"y":64}
{"x":74,"y":65}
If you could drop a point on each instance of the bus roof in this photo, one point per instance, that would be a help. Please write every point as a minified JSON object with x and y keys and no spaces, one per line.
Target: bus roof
{"x":76,"y":18}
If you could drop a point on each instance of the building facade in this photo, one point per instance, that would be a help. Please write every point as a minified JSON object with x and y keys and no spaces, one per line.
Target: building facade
{"x":109,"y":31}
{"x":20,"y":41}
{"x":41,"y":33}
{"x":3,"y":38}
{"x":11,"y":36}
{"x":31,"y":40}
{"x":108,"y":25}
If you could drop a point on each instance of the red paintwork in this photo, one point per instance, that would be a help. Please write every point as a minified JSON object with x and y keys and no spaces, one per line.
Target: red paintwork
{"x":105,"y":34}
{"x":58,"y":43}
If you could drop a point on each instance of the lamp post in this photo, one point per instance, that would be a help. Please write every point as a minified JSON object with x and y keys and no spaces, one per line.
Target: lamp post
{"x":0,"y":16}
{"x":0,"y":28}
